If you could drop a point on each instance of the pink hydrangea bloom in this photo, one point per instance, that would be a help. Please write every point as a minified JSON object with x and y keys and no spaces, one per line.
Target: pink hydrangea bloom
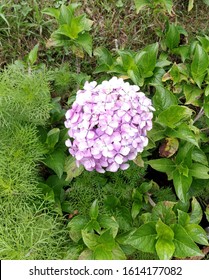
{"x":108,"y":125}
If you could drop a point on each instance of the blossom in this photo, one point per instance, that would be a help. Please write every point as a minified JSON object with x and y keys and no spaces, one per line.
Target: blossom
{"x":107,"y":125}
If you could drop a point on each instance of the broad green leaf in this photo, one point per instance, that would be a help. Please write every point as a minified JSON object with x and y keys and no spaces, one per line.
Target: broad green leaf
{"x":101,"y":253}
{"x":52,"y":12}
{"x":192,"y":94}
{"x":183,"y":218}
{"x":164,"y":211}
{"x":204,"y":42}
{"x":94,"y":210}
{"x":199,"y":156}
{"x":75,"y":226}
{"x":144,"y":238}
{"x":199,"y":171}
{"x":56,"y":161}
{"x":196,"y":213}
{"x":107,"y":239}
{"x":71,"y":168}
{"x":164,"y":231}
{"x":174,"y":115}
{"x":135,"y":209}
{"x":117,"y":253}
{"x":135,"y":76}
{"x":66,"y":15}
{"x":182,"y":184}
{"x":199,"y":65}
{"x":197,"y":233}
{"x":183,"y":51}
{"x":146,"y":63}
{"x":33,"y":54}
{"x":184,"y":132}
{"x":91,"y":240}
{"x":140,"y":4}
{"x":172,"y":37}
{"x":184,"y":245}
{"x":85,"y":41}
{"x":123,"y":217}
{"x":52,"y":137}
{"x":175,"y":74}
{"x":168,"y":5}
{"x":163,"y":99}
{"x":93,"y":226}
{"x":206,"y":2}
{"x":104,"y":56}
{"x":107,"y":222}
{"x":165,"y":248}
{"x":162,"y":165}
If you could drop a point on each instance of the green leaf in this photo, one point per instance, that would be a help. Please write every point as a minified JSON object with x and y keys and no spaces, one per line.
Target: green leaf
{"x":204,"y":42}
{"x":135,"y":76}
{"x":52,"y":137}
{"x":117,"y":253}
{"x":172,"y":37}
{"x":206,"y":2}
{"x":164,"y":248}
{"x":162,"y":165}
{"x":71,"y":168}
{"x":135,"y":209}
{"x":75,"y":226}
{"x":146,"y":63}
{"x":94,"y":210}
{"x":192,"y":94}
{"x":104,"y":56}
{"x":163,"y":99}
{"x":164,"y":211}
{"x":140,"y":4}
{"x":196,"y":213}
{"x":144,"y":238}
{"x":91,"y":240}
{"x":52,"y":12}
{"x":107,"y":222}
{"x":184,"y":245}
{"x":164,"y":231}
{"x":107,"y":239}
{"x":199,"y":171}
{"x":66,"y":15}
{"x":184,"y":132}
{"x":199,"y":156}
{"x":183,"y":218}
{"x":206,"y":106}
{"x":85,"y":41}
{"x":197,"y":233}
{"x":182,"y":184}
{"x":199,"y":65}
{"x":33,"y":54}
{"x":174,"y":115}
{"x":169,"y":5}
{"x":56,"y":161}
{"x":101,"y":253}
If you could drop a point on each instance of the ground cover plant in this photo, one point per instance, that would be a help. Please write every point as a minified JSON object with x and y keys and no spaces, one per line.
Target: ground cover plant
{"x":104,"y":120}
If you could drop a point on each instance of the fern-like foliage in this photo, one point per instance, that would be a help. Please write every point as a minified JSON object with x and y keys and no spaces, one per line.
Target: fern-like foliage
{"x":24,"y":97}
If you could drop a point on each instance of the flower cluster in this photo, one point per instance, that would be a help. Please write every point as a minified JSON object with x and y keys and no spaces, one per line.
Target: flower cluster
{"x":108,"y":124}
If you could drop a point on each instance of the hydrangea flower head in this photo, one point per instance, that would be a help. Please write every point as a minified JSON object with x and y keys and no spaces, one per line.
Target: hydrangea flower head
{"x":108,"y":125}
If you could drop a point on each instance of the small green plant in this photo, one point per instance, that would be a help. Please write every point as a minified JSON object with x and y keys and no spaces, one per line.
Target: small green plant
{"x":73,"y":31}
